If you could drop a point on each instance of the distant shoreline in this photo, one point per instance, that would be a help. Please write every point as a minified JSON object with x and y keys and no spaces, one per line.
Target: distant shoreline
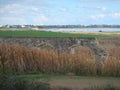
{"x":68,"y":30}
{"x":105,"y":33}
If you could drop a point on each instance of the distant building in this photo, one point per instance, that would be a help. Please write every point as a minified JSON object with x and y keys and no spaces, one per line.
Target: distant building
{"x":22,"y":26}
{"x":1,"y":26}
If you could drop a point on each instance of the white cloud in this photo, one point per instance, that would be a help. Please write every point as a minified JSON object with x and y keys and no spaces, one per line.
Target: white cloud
{"x":12,"y":9}
{"x":97,"y":16}
{"x":43,"y":18}
{"x":13,"y":20}
{"x":102,"y":16}
{"x":63,"y":9}
{"x":99,"y":0}
{"x":115,"y":15}
{"x":40,"y":19}
{"x":35,"y":9}
{"x":101,"y":8}
{"x":60,"y":21}
{"x":95,"y":8}
{"x":10,"y":18}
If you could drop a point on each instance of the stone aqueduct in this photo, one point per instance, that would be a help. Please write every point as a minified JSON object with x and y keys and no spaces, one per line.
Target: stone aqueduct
{"x":59,"y":44}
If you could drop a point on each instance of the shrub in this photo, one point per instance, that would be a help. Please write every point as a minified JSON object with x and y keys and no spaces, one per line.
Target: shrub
{"x":17,"y":83}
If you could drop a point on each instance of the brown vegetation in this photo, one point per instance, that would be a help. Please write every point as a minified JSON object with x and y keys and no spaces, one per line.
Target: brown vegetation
{"x":111,"y":66}
{"x":22,"y":59}
{"x":19,"y":58}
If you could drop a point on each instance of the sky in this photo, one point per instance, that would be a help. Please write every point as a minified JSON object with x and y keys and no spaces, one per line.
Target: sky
{"x":59,"y":12}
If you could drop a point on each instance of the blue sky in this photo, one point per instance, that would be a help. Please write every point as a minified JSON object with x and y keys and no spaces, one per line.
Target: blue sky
{"x":52,"y":12}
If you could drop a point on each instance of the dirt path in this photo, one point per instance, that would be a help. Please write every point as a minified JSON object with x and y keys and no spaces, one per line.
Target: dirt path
{"x":83,"y":82}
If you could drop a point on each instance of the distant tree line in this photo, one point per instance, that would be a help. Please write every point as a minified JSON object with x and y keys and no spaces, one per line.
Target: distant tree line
{"x":79,"y":26}
{"x":61,"y":26}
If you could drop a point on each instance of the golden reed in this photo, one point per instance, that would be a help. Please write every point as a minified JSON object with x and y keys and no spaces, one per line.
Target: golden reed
{"x":16,"y":58}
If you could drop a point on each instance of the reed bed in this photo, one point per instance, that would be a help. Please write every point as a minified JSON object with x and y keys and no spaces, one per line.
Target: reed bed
{"x":21,"y":59}
{"x":111,"y":66}
{"x":16,"y":58}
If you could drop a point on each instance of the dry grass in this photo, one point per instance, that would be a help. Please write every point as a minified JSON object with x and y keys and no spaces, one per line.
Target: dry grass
{"x":22,"y":59}
{"x":19,"y":58}
{"x":111,"y":66}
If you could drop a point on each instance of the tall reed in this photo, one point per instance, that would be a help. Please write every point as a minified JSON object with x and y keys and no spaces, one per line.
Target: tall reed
{"x":20,"y":58}
{"x":16,"y":58}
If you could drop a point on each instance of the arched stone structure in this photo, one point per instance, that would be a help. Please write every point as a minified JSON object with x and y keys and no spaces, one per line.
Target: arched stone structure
{"x":59,"y":44}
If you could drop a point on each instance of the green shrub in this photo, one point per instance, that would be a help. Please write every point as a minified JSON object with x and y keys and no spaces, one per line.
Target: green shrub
{"x":19,"y":83}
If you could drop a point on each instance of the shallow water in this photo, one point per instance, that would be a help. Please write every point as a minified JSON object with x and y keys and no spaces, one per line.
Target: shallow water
{"x":83,"y":29}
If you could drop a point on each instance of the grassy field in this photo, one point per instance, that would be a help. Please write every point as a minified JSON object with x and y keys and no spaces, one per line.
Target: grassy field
{"x":31,"y":33}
